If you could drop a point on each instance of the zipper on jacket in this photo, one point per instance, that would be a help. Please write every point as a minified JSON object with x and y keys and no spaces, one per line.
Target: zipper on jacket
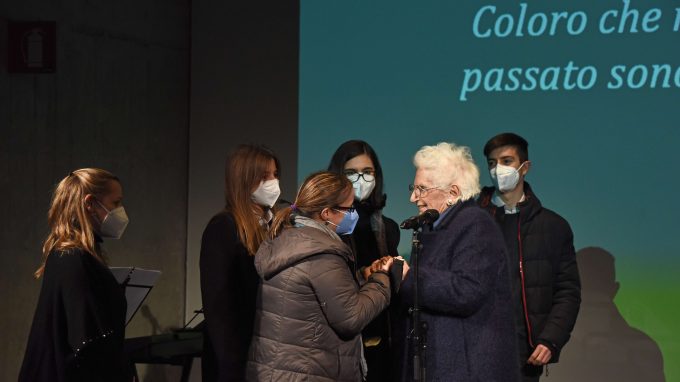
{"x":521,"y":276}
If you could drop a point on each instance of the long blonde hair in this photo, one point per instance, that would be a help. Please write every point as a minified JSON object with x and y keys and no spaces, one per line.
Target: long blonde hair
{"x":320,"y":190}
{"x":68,"y":220}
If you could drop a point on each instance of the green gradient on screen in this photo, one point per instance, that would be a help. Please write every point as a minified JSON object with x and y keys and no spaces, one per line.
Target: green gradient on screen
{"x":648,"y":299}
{"x":390,"y":73}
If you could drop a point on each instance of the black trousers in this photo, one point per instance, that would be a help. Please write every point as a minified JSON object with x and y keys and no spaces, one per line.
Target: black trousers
{"x":530,"y":373}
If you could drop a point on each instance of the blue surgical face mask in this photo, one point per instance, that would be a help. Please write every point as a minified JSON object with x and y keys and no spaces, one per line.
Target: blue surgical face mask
{"x":346,"y":226}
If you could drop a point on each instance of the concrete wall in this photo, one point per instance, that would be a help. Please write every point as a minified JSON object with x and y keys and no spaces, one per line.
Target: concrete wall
{"x":118,"y":100}
{"x":244,"y":84}
{"x":244,"y":81}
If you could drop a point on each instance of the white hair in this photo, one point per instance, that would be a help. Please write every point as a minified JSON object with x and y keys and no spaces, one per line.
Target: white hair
{"x":447,"y":164}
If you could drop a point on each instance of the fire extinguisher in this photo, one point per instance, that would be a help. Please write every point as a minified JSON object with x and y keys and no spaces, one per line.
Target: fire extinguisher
{"x":32,"y":49}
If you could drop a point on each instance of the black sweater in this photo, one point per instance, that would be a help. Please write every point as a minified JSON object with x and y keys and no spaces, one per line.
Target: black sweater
{"x":79,"y":324}
{"x":365,"y":244}
{"x":366,"y":250}
{"x":228,"y":289}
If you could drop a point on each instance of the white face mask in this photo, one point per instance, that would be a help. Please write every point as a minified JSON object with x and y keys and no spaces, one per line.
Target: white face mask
{"x":505,"y":178}
{"x":267,"y":193}
{"x":362,"y":188}
{"x":114,"y":223}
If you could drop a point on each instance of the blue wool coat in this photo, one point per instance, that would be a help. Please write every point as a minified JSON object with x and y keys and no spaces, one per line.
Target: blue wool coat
{"x":464,"y":299}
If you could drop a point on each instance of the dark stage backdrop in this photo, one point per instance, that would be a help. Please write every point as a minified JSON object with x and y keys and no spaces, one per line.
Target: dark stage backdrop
{"x":244,"y":58}
{"x":118,"y":99}
{"x":594,"y":86}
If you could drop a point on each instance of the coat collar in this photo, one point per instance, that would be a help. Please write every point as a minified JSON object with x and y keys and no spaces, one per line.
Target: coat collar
{"x":450,"y":213}
{"x":528,"y":208}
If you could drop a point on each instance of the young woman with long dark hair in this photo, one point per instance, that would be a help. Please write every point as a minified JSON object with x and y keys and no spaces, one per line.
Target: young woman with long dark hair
{"x":374,"y":237}
{"x":228,"y":278}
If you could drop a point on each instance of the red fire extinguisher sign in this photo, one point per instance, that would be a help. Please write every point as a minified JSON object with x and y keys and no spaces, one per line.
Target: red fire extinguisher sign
{"x":32,"y":46}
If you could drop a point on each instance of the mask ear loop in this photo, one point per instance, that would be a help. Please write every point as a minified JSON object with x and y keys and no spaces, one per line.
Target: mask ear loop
{"x":102,"y":206}
{"x":330,"y":222}
{"x":522,"y":165}
{"x":93,"y":214}
{"x":326,"y":221}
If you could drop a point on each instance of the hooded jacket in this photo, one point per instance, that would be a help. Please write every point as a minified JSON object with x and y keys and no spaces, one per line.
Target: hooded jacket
{"x":550,"y":282}
{"x":310,"y":309}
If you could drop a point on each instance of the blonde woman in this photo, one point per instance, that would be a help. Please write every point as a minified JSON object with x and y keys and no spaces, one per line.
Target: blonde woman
{"x":79,"y":324}
{"x":310,"y":308}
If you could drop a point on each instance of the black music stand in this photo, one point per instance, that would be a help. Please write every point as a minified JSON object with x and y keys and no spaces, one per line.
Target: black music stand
{"x":138,"y":283}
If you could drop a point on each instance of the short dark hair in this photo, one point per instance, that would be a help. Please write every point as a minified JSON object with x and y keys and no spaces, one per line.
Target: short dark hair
{"x":354,"y":148}
{"x":508,"y":139}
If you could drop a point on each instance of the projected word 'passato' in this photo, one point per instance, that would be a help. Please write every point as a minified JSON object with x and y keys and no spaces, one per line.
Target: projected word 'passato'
{"x":568,"y":77}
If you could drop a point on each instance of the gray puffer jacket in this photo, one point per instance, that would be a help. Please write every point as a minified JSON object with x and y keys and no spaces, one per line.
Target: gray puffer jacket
{"x":310,"y":309}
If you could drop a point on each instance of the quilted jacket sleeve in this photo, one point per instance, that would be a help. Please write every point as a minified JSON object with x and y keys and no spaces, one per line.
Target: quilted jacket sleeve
{"x":348,"y":307}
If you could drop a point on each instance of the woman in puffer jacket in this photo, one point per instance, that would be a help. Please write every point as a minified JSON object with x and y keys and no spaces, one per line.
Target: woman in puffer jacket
{"x":310,"y":307}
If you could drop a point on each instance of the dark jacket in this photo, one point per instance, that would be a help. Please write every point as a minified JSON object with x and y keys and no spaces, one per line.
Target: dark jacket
{"x":551,"y":283}
{"x":365,"y":245}
{"x":364,"y":239}
{"x":310,"y":309}
{"x":79,"y":324}
{"x":228,"y":288}
{"x":465,"y":301}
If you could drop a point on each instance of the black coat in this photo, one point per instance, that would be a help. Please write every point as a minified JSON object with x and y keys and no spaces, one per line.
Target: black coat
{"x":464,"y":299}
{"x":551,"y":280}
{"x":364,"y":243}
{"x":228,"y":288}
{"x":79,"y":324}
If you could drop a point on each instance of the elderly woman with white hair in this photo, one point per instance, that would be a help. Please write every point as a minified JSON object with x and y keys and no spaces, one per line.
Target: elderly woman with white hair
{"x":464,"y":290}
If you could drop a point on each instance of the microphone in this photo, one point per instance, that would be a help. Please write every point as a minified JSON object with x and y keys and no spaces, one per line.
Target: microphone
{"x":415,"y":222}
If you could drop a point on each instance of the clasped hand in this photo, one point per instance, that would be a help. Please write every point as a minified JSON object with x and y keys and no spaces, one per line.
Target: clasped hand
{"x":384,"y":264}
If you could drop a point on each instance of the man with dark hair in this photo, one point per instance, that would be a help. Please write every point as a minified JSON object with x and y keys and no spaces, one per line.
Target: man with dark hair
{"x":543,"y":271}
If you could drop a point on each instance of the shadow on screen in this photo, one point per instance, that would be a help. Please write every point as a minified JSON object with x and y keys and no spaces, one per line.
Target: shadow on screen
{"x":603,"y":347}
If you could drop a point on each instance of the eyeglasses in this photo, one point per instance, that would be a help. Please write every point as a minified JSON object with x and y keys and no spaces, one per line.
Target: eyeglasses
{"x":353,"y":176}
{"x":419,"y":190}
{"x":345,"y":209}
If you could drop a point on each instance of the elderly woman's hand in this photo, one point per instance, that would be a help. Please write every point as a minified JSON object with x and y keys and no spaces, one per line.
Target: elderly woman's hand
{"x":386,"y":263}
{"x":404,"y":269}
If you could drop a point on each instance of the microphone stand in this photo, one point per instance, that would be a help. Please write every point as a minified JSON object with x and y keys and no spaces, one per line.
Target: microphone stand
{"x":419,"y":328}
